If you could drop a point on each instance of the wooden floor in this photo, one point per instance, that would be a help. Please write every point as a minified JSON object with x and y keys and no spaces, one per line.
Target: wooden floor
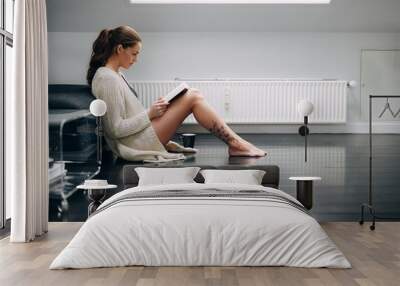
{"x":374,"y":255}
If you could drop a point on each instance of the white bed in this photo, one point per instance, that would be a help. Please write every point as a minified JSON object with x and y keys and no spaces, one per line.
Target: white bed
{"x":269,"y":228}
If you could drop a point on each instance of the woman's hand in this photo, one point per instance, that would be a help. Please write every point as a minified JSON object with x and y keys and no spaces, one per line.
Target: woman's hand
{"x":158,"y":108}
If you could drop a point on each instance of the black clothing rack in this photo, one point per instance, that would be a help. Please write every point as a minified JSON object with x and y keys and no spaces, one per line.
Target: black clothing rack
{"x":369,"y":205}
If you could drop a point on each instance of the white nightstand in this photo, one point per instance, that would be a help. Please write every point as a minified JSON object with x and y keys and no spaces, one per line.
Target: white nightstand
{"x":304,"y":190}
{"x":96,"y":194}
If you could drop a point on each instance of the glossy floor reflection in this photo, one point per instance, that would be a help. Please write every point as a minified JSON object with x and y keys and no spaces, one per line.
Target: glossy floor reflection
{"x":341,"y":160}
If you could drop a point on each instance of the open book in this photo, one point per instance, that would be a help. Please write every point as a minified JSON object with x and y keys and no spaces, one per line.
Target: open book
{"x":177,"y":91}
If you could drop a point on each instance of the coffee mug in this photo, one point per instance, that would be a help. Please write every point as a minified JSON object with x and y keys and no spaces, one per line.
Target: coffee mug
{"x":188,"y":139}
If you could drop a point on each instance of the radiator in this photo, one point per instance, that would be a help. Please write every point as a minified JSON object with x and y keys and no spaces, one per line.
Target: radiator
{"x":260,"y":102}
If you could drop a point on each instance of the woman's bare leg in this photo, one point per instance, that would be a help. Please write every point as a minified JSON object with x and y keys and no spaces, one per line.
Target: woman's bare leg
{"x":193,"y":102}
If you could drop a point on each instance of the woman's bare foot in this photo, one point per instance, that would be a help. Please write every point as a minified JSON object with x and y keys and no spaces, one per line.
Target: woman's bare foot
{"x":245,"y":149}
{"x":237,"y":145}
{"x":174,"y":147}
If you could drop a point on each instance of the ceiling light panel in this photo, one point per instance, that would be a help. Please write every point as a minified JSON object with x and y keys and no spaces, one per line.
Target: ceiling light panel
{"x":229,"y":1}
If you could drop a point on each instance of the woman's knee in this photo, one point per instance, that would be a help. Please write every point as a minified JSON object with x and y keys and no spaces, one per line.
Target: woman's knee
{"x":195,"y":95}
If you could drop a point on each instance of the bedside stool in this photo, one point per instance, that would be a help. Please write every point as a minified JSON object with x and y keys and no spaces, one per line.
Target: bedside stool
{"x":304,"y":190}
{"x":96,"y":194}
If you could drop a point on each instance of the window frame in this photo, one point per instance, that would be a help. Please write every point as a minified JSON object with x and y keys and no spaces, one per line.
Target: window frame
{"x":6,"y":39}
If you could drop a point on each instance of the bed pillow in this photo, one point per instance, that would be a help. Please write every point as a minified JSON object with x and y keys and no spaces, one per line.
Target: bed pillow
{"x":165,"y":176}
{"x":248,"y":177}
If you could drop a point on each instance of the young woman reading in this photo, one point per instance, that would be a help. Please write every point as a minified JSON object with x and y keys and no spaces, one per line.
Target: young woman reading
{"x":131,"y":131}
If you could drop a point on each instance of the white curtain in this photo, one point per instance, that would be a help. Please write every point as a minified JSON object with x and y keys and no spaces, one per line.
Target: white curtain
{"x":27,"y":150}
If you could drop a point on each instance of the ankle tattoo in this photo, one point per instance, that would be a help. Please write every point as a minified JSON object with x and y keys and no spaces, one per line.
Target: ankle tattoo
{"x":222,"y":133}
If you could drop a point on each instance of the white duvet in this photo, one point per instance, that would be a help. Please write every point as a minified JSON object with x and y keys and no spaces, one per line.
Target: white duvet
{"x":200,"y":231}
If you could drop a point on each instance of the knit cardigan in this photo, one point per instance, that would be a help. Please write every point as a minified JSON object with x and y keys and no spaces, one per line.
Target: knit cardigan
{"x":127,"y":126}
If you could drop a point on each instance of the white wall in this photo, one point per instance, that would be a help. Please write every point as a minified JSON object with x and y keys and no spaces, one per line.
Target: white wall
{"x":169,"y":55}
